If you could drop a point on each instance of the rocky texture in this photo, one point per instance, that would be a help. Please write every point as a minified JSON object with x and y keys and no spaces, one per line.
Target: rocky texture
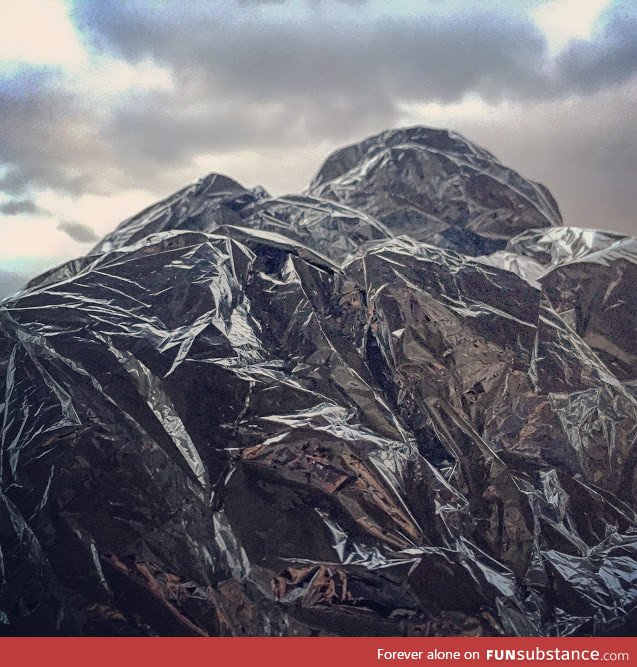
{"x":312,"y":414}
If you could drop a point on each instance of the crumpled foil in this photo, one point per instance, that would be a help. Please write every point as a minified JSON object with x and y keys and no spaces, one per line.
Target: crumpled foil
{"x":400,"y":403}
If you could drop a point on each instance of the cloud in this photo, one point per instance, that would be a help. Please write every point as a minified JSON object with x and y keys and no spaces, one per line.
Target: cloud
{"x":611,"y":58}
{"x":435,"y":57}
{"x":48,"y":136}
{"x":11,"y":282}
{"x":241,"y":59}
{"x":12,"y":181}
{"x":261,"y":2}
{"x":224,"y":81}
{"x":78,"y":231}
{"x":239,"y":85}
{"x":245,"y":84}
{"x":21,"y":207}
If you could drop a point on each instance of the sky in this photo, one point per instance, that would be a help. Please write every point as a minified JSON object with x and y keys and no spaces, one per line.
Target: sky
{"x":108,"y":105}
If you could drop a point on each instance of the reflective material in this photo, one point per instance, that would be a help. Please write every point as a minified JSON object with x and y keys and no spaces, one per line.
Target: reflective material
{"x":245,"y":415}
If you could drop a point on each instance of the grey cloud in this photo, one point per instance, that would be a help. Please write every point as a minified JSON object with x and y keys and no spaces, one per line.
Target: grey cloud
{"x":587,"y":66}
{"x":11,"y":282}
{"x":13,"y":181}
{"x":342,"y":2}
{"x":171,"y":134}
{"x":246,"y":61}
{"x":495,"y":54}
{"x":242,"y":84}
{"x":78,"y":231}
{"x":49,"y":138}
{"x":245,"y":84}
{"x":239,"y":85}
{"x":21,"y":207}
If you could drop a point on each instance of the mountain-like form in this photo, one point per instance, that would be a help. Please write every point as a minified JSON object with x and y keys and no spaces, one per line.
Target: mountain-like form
{"x":437,"y":187}
{"x":400,"y":403}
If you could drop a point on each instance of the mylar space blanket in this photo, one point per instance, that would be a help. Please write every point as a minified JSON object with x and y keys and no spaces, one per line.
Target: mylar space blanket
{"x":399,"y":403}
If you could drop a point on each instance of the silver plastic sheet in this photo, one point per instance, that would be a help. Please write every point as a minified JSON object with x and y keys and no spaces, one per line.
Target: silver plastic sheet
{"x":312,"y":415}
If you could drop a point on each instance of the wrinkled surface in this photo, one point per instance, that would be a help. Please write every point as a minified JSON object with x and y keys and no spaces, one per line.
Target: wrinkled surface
{"x":589,"y":277}
{"x":312,"y":415}
{"x":437,"y":187}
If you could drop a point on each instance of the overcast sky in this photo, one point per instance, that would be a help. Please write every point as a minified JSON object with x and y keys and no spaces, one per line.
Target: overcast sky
{"x":107,"y":105}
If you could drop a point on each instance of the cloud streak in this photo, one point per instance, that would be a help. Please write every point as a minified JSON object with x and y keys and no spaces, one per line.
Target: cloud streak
{"x":21,"y":207}
{"x":78,"y":231}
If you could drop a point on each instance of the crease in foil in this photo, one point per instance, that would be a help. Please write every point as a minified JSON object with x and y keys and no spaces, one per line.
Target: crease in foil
{"x":401,"y":402}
